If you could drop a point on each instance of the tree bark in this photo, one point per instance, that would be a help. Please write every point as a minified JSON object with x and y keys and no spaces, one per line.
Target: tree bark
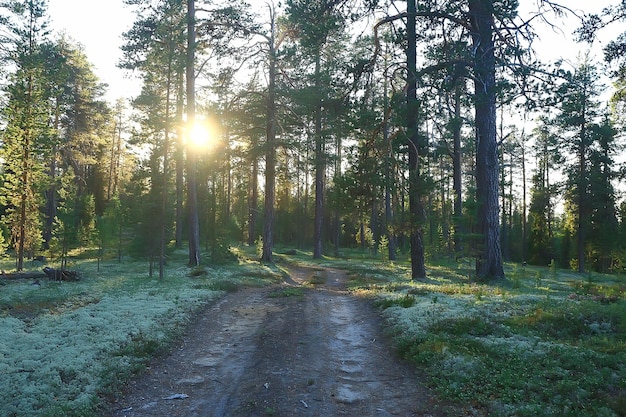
{"x":253,"y":201}
{"x":180,"y":163}
{"x":164,"y":179}
{"x":524,"y":208}
{"x":320,"y":167}
{"x":26,"y":190}
{"x":22,"y":275}
{"x":489,"y":265}
{"x":418,"y":269}
{"x":583,"y":218}
{"x":389,"y":214}
{"x":192,"y":191}
{"x":336,"y":212}
{"x":270,"y":153}
{"x":457,"y":174}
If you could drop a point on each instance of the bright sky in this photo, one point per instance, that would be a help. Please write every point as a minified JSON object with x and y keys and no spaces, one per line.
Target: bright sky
{"x":98,"y":25}
{"x":554,"y":44}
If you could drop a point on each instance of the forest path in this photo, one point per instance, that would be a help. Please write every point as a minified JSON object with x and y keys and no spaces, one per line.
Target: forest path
{"x":288,"y":350}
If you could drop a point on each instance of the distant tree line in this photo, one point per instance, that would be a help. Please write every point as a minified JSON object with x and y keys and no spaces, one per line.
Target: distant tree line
{"x":427,"y":129}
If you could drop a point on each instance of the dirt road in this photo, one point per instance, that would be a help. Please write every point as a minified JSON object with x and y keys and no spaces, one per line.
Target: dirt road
{"x":282,"y":351}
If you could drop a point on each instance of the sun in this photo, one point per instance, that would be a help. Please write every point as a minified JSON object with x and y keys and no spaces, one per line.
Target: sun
{"x":200,"y":135}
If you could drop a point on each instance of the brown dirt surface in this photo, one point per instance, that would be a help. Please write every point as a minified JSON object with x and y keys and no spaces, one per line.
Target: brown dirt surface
{"x":288,"y":350}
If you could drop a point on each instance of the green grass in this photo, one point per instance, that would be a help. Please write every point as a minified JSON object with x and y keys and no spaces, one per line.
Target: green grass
{"x":64,"y":346}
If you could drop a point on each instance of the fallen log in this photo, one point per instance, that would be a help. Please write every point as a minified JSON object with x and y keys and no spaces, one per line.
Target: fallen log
{"x":22,"y":275}
{"x":61,"y":274}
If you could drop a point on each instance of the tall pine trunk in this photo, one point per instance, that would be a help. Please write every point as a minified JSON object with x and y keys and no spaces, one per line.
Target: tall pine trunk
{"x":270,"y":154}
{"x":192,"y":190}
{"x":389,"y":215}
{"x":253,"y":201}
{"x":336,"y":211}
{"x":165,"y":179}
{"x":180,"y":163}
{"x":489,"y":264}
{"x":418,"y":269}
{"x":524,"y":208}
{"x":320,"y":166}
{"x":457,"y":174}
{"x":583,"y":212}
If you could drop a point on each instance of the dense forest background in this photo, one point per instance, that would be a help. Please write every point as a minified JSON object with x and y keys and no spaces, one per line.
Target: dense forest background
{"x":423,"y":129}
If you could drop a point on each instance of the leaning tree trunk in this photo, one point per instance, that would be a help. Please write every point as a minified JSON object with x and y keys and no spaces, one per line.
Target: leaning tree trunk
{"x":418,"y":269}
{"x":489,"y":263}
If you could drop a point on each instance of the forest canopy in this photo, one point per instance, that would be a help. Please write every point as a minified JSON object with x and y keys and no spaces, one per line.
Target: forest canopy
{"x":423,"y":130}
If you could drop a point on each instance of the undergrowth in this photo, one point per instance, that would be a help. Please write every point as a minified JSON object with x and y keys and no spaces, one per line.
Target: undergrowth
{"x":66,"y":346}
{"x":545,"y":342}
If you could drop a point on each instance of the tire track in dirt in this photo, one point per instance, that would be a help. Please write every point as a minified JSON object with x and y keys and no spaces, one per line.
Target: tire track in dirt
{"x":253,"y":353}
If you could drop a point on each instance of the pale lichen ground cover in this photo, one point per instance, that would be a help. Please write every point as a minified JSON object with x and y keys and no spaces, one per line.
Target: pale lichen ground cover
{"x":546,"y":342}
{"x":60,"y":343}
{"x":531,"y":347}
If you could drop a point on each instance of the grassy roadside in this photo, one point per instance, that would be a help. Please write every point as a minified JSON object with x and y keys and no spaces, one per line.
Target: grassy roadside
{"x":65,"y":345}
{"x":545,"y":343}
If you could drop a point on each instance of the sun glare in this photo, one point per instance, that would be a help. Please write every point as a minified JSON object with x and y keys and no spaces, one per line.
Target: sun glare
{"x":200,"y":136}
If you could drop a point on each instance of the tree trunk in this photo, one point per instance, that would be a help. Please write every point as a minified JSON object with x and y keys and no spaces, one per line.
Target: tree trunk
{"x":524,"y":209}
{"x":116,"y":148}
{"x":389,"y":215}
{"x":583,"y":214}
{"x":504,"y":222}
{"x":489,"y":263}
{"x":457,"y":174}
{"x":388,"y":205}
{"x":22,"y":275}
{"x":336,"y":212}
{"x":320,"y":167}
{"x":270,"y":154}
{"x":418,"y":269}
{"x":253,"y":201}
{"x":21,"y":238}
{"x":180,"y":163}
{"x":192,"y":191}
{"x":164,"y":180}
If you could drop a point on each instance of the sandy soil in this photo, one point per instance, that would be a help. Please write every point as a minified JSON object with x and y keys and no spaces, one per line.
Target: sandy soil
{"x":319,"y":352}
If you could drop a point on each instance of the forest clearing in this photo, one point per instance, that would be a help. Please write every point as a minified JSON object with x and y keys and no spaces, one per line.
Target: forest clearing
{"x":424,"y":175}
{"x":550,"y":342}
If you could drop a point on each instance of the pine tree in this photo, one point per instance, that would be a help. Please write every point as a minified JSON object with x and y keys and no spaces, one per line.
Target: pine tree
{"x":579,"y":111}
{"x":26,"y":135}
{"x":603,"y":240}
{"x":541,"y":250}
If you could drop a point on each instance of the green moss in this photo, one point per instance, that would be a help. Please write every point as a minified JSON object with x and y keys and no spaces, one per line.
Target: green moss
{"x":288,"y":292}
{"x":404,"y":301}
